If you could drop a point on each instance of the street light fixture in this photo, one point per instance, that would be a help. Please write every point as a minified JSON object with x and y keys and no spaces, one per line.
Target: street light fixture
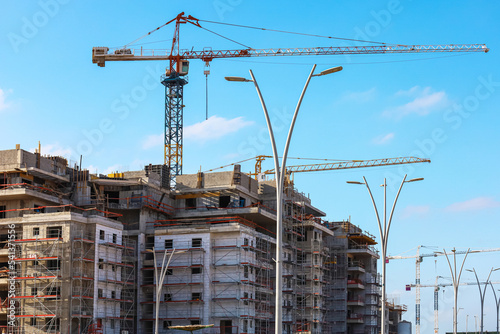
{"x":237,"y":79}
{"x":483,"y":293}
{"x":329,"y":71}
{"x":384,"y":233}
{"x":279,"y":176}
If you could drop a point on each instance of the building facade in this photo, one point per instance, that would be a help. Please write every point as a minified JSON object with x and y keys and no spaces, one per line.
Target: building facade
{"x":85,"y":246}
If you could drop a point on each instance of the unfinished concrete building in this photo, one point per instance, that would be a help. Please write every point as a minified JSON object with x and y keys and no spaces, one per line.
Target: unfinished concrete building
{"x":355,"y":299}
{"x":84,"y":253}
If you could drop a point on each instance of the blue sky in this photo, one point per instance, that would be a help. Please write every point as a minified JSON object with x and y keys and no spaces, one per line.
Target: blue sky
{"x":439,"y":106}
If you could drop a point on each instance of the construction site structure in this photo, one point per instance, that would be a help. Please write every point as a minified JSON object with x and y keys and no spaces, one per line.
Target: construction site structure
{"x":175,"y":77}
{"x":436,"y":287}
{"x":82,"y":259}
{"x":418,"y":260}
{"x":355,"y":292}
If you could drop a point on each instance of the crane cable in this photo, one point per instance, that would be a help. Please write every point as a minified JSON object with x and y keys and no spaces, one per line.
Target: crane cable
{"x":259,"y":28}
{"x":297,"y":33}
{"x":229,"y":39}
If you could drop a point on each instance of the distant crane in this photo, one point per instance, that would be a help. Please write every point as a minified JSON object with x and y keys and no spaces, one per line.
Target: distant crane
{"x":418,"y":259}
{"x":175,"y":76}
{"x":436,"y":296}
{"x":334,"y":165}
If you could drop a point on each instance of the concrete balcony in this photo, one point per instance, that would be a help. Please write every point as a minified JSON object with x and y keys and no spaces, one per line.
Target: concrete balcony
{"x":356,"y":302}
{"x":23,"y":190}
{"x":355,"y":284}
{"x":356,"y":267}
{"x":356,"y":318}
{"x":365,"y":250}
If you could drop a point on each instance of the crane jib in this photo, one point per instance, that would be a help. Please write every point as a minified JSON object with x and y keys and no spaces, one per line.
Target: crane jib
{"x":102,"y":54}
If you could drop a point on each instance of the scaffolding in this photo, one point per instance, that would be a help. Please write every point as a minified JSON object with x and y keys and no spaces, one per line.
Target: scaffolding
{"x":316,"y":273}
{"x":39,"y":280}
{"x":82,"y":288}
{"x":182,"y":296}
{"x":116,"y":277}
{"x":354,"y":295}
{"x":241,"y":283}
{"x":295,"y":293}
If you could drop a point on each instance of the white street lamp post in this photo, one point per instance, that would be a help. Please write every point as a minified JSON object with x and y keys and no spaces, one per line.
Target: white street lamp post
{"x":456,"y":282}
{"x":482,"y":294}
{"x":279,"y":176}
{"x":159,"y":281}
{"x":384,"y":234}
{"x":497,"y":302}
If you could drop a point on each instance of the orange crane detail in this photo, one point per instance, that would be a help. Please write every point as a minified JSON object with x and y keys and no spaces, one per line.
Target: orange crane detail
{"x":175,"y":75}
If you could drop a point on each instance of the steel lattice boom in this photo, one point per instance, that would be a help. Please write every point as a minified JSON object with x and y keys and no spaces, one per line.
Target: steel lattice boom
{"x":351,"y":164}
{"x":100,"y":55}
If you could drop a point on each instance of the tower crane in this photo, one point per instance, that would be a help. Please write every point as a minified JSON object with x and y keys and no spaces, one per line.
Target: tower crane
{"x":418,"y":259}
{"x":436,"y":296}
{"x":336,"y":165}
{"x":175,"y":76}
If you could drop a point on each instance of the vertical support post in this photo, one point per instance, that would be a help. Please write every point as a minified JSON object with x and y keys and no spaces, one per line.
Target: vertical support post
{"x":456,"y":282}
{"x":384,"y":237}
{"x":159,"y":282}
{"x":482,"y":295}
{"x":497,"y":302}
{"x":280,"y":174}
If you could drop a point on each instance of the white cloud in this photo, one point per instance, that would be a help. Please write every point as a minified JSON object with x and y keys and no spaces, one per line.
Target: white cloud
{"x":424,"y":101}
{"x":410,"y":92}
{"x":3,"y":99}
{"x":152,"y":141}
{"x":214,"y":128}
{"x":55,"y":150}
{"x":475,"y":204}
{"x":92,"y":169}
{"x":113,"y":169}
{"x":414,"y":210}
{"x":383,"y":139}
{"x":364,"y":96}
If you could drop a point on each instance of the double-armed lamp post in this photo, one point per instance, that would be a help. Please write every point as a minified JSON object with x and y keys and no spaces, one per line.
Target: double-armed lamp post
{"x":482,"y":294}
{"x":384,"y":234}
{"x":280,"y":177}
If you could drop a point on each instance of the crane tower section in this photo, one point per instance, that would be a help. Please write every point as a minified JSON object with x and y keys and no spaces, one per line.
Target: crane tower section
{"x":174,"y":105}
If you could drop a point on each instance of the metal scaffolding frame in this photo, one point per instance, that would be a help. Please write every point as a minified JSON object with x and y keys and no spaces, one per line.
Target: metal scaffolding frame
{"x":39,"y":268}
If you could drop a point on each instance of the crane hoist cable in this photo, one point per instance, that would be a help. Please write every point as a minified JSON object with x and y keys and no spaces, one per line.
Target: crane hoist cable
{"x":296,"y":33}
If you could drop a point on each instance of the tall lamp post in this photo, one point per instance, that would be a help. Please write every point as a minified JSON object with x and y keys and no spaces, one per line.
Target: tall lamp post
{"x":456,"y":282}
{"x":497,"y":302}
{"x":384,"y":233}
{"x":159,"y":280}
{"x":482,"y":294}
{"x":279,"y":176}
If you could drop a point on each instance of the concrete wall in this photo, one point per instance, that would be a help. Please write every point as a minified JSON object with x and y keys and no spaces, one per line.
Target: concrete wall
{"x":9,"y":160}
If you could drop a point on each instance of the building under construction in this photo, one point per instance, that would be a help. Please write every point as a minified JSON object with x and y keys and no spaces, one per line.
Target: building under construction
{"x":84,"y":248}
